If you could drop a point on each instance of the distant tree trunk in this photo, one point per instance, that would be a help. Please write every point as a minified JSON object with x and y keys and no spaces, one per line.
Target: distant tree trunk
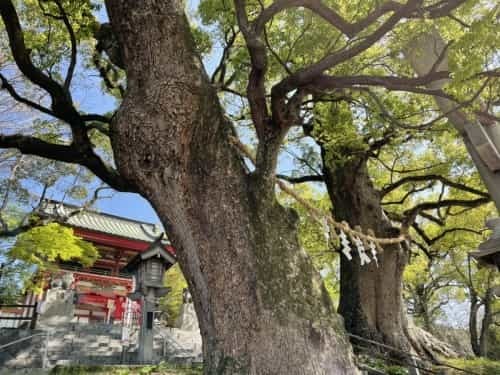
{"x":261,"y":305}
{"x":485,"y":327}
{"x":479,"y":324}
{"x":473,"y":317}
{"x":423,"y":305}
{"x":370,"y":297}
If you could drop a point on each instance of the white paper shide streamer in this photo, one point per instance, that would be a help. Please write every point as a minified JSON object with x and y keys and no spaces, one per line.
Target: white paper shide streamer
{"x":373,"y":250}
{"x":346,"y":246}
{"x":365,"y":259}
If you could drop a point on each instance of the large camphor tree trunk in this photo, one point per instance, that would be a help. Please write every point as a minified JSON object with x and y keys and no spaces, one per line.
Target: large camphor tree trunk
{"x":370,"y":297}
{"x":261,"y":305}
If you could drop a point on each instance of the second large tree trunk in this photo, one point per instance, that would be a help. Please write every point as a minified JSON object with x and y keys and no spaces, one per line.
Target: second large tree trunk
{"x":261,"y":305}
{"x":370,"y":297}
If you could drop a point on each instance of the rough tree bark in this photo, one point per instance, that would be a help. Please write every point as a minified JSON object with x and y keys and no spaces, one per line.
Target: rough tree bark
{"x":262,"y":307}
{"x":370,"y":297}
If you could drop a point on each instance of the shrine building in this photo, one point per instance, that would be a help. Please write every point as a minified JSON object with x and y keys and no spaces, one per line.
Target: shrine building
{"x":97,"y":294}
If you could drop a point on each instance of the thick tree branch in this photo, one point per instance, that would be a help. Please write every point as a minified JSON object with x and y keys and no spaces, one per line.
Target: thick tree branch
{"x":66,"y":153}
{"x":440,"y":9}
{"x":81,"y":150}
{"x":410,"y":84}
{"x":315,"y":6}
{"x":99,"y":126}
{"x":301,"y":179}
{"x":95,"y":117}
{"x":305,"y":76}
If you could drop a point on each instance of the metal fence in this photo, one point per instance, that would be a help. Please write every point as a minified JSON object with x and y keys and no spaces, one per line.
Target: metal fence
{"x":12,"y":316}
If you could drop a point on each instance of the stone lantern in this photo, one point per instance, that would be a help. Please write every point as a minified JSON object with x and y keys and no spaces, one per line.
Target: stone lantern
{"x":148,"y":269}
{"x":488,"y":252}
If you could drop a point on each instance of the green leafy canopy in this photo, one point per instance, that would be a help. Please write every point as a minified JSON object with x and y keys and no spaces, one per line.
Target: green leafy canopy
{"x":45,"y":245}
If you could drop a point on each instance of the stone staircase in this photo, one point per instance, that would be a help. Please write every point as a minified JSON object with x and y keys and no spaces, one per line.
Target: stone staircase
{"x":67,"y":344}
{"x":88,"y":345}
{"x":93,"y":344}
{"x":178,"y":345}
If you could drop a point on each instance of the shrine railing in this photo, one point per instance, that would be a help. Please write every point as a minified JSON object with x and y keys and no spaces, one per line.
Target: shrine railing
{"x":45,"y":350}
{"x":27,"y":313}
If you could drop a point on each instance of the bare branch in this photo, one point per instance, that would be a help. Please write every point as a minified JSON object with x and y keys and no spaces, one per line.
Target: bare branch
{"x":410,"y":214}
{"x":412,"y":191}
{"x":422,"y":178}
{"x":66,"y":153}
{"x":221,"y":67}
{"x":256,"y":91}
{"x":439,"y":221}
{"x":394,"y":170}
{"x":451,"y":230}
{"x":14,"y":94}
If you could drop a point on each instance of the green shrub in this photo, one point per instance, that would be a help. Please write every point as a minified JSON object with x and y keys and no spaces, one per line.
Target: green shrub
{"x":172,"y":302}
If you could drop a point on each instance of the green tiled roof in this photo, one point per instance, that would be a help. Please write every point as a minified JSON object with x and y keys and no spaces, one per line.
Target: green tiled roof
{"x":102,"y":222}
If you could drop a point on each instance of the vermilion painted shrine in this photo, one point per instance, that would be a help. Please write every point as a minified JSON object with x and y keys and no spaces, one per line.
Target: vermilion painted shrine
{"x":100,"y":292}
